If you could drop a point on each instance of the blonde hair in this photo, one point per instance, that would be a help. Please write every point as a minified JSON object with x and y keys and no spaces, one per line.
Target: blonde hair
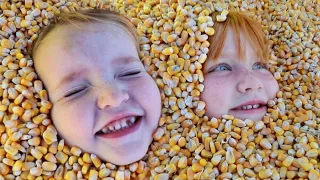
{"x":240,"y":23}
{"x":86,"y":16}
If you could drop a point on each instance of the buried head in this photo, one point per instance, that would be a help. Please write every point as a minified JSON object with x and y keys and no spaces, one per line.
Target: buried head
{"x":99,"y":89}
{"x":237,"y":79}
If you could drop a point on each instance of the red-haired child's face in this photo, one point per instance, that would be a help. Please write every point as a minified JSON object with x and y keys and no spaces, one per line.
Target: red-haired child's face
{"x":239,"y":87}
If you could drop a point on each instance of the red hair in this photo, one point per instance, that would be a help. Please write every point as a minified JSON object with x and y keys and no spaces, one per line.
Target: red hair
{"x":241,"y":25}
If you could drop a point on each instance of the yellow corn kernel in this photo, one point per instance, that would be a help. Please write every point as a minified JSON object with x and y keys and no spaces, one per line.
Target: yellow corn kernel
{"x":221,"y":18}
{"x":61,"y":157}
{"x":240,"y":169}
{"x":209,"y":31}
{"x":279,"y":131}
{"x":304,"y":163}
{"x":161,"y":176}
{"x":174,"y":150}
{"x":70,"y":175}
{"x":104,"y":173}
{"x":206,"y":154}
{"x":288,"y":161}
{"x":249,"y":172}
{"x":253,"y":161}
{"x":196,"y":167}
{"x":8,"y":162}
{"x":86,"y":158}
{"x":230,"y":156}
{"x":168,"y":51}
{"x":17,"y":165}
{"x":224,"y":167}
{"x":36,"y":171}
{"x":203,"y":162}
{"x":140,"y":167}
{"x":238,"y":123}
{"x":183,"y":162}
{"x":96,"y":161}
{"x":36,"y":153}
{"x":50,"y":157}
{"x":265,"y":143}
{"x":93,"y":174}
{"x":313,"y":153}
{"x":171,"y":168}
{"x":75,"y":151}
{"x":49,"y":166}
{"x":300,"y":153}
{"x":313,"y":174}
{"x":6,"y":43}
{"x":182,"y":141}
{"x":172,"y":70}
{"x":215,"y":160}
{"x":10,"y":150}
{"x":214,"y":122}
{"x":50,"y":135}
{"x":85,"y":168}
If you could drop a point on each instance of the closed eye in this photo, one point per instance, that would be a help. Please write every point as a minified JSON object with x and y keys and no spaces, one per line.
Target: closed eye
{"x":132,"y":73}
{"x":74,"y":91}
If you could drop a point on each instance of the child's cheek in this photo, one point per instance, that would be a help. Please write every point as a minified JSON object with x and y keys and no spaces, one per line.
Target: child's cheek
{"x":264,"y":74}
{"x":145,"y":90}
{"x":144,"y":86}
{"x":269,"y":82}
{"x":76,"y":116}
{"x":219,"y":79}
{"x":216,"y":95}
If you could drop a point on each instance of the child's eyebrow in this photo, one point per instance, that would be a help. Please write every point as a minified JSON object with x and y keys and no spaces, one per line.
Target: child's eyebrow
{"x":71,"y":76}
{"x":124,"y":60}
{"x":83,"y":71}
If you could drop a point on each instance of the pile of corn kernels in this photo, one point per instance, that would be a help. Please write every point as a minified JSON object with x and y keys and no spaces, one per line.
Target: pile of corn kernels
{"x":174,"y":46}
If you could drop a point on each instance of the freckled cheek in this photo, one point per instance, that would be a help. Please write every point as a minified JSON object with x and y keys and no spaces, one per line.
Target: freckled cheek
{"x":216,"y":95}
{"x":271,"y":85}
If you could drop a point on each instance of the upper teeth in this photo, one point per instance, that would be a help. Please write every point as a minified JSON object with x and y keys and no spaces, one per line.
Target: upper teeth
{"x":254,"y":106}
{"x":118,"y":125}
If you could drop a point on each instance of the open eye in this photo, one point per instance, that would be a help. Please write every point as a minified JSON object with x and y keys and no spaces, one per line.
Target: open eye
{"x":259,"y":65}
{"x":74,"y":91}
{"x":220,"y":67}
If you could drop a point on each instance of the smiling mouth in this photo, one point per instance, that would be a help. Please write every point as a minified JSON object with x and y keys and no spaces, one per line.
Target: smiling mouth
{"x":120,"y":125}
{"x":249,"y":107}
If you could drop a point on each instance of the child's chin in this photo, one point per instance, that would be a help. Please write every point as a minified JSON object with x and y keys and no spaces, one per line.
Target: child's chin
{"x":131,"y":157}
{"x":254,"y":118}
{"x":130,"y":153}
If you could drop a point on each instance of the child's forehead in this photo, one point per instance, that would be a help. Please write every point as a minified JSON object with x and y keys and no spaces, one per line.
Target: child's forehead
{"x":78,"y":35}
{"x":80,"y":30}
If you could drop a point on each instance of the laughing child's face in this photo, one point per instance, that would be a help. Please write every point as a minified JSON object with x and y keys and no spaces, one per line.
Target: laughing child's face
{"x":103,"y":99}
{"x":235,"y":86}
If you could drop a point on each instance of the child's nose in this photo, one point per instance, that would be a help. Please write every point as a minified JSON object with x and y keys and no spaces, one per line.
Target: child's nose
{"x":111,"y":96}
{"x":249,"y":83}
